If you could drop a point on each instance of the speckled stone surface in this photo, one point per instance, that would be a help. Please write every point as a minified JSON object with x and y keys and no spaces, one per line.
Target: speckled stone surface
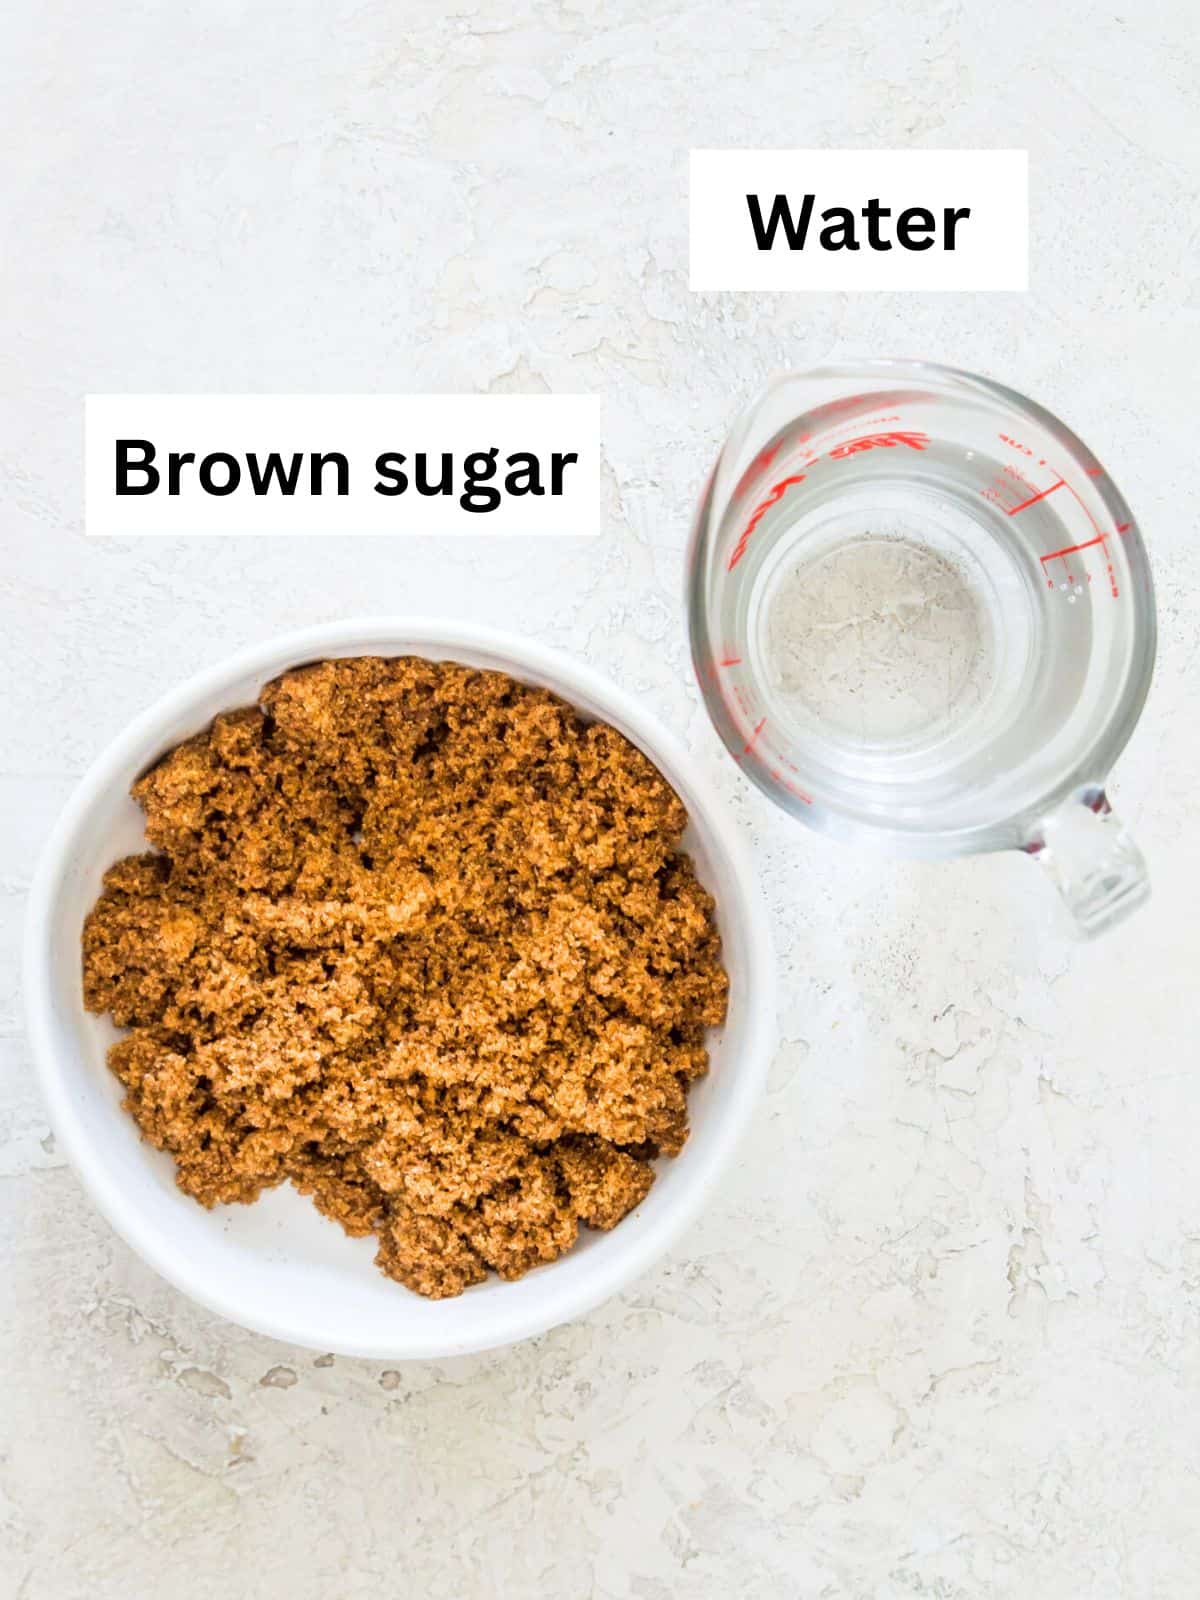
{"x":940,"y":1335}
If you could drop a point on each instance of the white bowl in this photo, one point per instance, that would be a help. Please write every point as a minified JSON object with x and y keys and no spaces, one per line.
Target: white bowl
{"x":277,"y":1266}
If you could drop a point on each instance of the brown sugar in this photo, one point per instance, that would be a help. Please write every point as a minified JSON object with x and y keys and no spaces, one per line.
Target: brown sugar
{"x":420,"y":940}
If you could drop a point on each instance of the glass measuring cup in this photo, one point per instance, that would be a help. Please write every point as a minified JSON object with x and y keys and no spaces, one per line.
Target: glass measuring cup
{"x":922,"y":618}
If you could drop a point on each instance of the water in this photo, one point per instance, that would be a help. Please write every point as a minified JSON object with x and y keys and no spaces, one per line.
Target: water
{"x":905,"y":642}
{"x":881,"y":639}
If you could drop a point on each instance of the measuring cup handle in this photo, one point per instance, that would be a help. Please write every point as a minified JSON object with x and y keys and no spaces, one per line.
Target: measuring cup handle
{"x":1098,"y":869}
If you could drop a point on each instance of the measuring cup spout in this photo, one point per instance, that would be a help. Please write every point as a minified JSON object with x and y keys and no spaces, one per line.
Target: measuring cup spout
{"x":1097,"y":868}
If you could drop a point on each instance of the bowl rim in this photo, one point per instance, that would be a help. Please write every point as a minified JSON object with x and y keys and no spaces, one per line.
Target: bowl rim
{"x":569,"y":677}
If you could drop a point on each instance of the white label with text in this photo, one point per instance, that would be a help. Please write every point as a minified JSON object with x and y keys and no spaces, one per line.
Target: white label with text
{"x":836,"y":220}
{"x":189,"y":464}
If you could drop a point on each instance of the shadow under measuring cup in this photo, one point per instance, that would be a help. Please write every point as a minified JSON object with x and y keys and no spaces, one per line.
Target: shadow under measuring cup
{"x":922,"y":618}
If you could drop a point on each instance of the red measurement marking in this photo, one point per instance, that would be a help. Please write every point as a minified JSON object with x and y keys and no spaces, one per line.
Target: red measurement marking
{"x":790,"y":786}
{"x":759,"y":465}
{"x":777,"y":493}
{"x":1095,"y":472}
{"x":1017,"y":445}
{"x":749,"y":745}
{"x":1112,"y":577}
{"x":1070,"y":549}
{"x":1124,"y":527}
{"x":1071,"y":489}
{"x":875,"y":441}
{"x":730,"y":661}
{"x":1033,"y":499}
{"x":1088,"y":544}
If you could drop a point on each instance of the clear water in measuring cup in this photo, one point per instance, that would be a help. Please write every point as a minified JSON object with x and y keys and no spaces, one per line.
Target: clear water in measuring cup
{"x":911,"y":643}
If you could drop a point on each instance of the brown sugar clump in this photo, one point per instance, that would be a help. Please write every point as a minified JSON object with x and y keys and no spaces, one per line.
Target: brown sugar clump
{"x":421,"y":941}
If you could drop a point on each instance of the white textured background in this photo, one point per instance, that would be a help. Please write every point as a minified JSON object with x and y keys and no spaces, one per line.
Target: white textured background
{"x":941,"y":1334}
